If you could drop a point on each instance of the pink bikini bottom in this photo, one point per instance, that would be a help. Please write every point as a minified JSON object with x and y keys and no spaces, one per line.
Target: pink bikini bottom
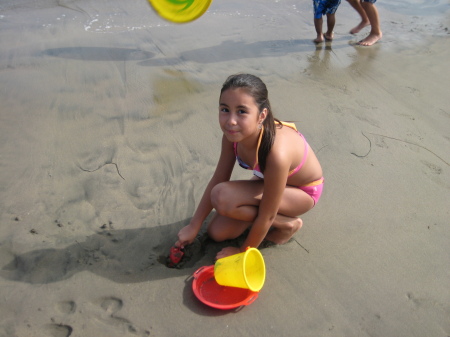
{"x":314,"y":189}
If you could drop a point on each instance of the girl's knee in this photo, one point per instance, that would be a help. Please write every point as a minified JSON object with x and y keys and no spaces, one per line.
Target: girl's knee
{"x":220,"y":198}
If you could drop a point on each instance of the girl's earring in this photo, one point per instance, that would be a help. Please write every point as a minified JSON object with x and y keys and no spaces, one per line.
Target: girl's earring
{"x":259,"y":126}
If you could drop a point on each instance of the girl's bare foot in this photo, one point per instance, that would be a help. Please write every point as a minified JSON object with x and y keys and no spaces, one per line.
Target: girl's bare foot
{"x":361,"y":25}
{"x":281,"y":236}
{"x":370,"y":39}
{"x":328,"y":36}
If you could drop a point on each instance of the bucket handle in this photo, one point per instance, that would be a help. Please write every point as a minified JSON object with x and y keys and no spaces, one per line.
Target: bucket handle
{"x":198,"y":271}
{"x":252,"y":299}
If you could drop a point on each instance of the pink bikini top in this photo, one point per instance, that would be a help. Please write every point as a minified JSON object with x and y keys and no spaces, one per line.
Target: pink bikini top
{"x":256,"y":169}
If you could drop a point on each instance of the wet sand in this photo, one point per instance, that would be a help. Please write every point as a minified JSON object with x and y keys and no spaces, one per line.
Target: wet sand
{"x":109,"y":134}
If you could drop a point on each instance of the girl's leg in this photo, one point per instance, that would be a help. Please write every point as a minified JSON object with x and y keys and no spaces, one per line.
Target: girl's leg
{"x":283,"y":229}
{"x":356,"y":4}
{"x":375,"y":31}
{"x":295,"y":202}
{"x":223,"y":228}
{"x":236,"y":203}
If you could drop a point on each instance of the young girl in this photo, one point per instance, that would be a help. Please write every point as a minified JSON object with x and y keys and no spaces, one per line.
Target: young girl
{"x":287,"y":179}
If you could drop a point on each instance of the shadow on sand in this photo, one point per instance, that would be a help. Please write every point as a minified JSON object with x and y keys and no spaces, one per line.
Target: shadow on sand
{"x":235,"y":50}
{"x":226,"y":51}
{"x":99,"y":53}
{"x":123,"y":256}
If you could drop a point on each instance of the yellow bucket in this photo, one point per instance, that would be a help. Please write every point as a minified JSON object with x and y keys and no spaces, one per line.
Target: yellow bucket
{"x":244,"y":270}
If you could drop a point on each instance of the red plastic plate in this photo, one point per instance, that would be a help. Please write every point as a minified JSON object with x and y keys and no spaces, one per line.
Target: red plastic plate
{"x":211,"y":293}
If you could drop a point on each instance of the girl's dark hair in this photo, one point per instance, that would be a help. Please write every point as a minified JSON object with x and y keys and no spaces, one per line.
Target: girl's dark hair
{"x":258,"y":90}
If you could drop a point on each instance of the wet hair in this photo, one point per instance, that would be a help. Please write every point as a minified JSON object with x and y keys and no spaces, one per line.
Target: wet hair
{"x":256,"y":88}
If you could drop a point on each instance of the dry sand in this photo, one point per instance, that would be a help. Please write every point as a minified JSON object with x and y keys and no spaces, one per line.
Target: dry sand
{"x":109,"y":134}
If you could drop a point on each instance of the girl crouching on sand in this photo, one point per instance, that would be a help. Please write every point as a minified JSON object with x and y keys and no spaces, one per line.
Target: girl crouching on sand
{"x":287,"y":179}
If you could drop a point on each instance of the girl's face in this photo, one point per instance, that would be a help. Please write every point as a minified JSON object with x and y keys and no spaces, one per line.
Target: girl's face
{"x":239,"y":115}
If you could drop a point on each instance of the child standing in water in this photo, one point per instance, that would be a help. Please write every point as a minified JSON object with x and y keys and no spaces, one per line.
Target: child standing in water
{"x":287,"y":179}
{"x":328,"y":8}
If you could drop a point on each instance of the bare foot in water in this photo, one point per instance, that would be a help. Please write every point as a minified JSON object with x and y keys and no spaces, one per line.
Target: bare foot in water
{"x":318,"y":39}
{"x":282,"y":235}
{"x":370,"y":39}
{"x":361,"y":25}
{"x":328,"y":36}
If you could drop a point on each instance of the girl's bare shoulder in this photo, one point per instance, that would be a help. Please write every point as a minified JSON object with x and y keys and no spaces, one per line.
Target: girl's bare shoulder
{"x":287,"y":137}
{"x":286,"y":144}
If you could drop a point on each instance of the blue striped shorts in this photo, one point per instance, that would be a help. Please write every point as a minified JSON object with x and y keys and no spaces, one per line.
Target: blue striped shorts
{"x":323,"y":7}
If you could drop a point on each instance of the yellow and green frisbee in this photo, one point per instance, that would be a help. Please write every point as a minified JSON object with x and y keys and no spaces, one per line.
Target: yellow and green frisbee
{"x":180,"y":11}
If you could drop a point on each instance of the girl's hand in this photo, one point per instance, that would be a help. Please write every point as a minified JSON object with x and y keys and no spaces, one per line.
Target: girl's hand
{"x":186,"y":236}
{"x":227,"y":251}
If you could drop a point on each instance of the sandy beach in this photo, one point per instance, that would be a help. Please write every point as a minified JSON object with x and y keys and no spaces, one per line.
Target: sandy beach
{"x":109,"y":135}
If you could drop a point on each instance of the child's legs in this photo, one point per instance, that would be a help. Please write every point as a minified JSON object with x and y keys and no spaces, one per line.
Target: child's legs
{"x":356,"y":4}
{"x":331,"y":21}
{"x":319,"y":8}
{"x":283,"y":228}
{"x":236,"y":203}
{"x":238,"y":199}
{"x":295,"y":202}
{"x":223,"y":228}
{"x":332,"y":7}
{"x":372,"y":15}
{"x":318,"y":23}
{"x":375,"y":31}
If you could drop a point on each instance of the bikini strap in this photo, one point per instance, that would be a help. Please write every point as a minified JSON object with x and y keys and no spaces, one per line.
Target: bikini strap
{"x":305,"y":154}
{"x":257,"y":146}
{"x":257,"y":149}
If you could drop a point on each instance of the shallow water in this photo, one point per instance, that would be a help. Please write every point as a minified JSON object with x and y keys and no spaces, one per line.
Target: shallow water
{"x":115,"y":16}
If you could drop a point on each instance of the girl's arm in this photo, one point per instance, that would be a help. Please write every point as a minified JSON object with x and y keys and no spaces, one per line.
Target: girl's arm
{"x":275,"y":178}
{"x":222,"y":173}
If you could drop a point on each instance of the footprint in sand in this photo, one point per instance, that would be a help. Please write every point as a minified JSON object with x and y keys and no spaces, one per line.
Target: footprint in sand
{"x":106,"y":312}
{"x":66,"y":307}
{"x":59,"y":330}
{"x":62,"y":330}
{"x":111,"y":306}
